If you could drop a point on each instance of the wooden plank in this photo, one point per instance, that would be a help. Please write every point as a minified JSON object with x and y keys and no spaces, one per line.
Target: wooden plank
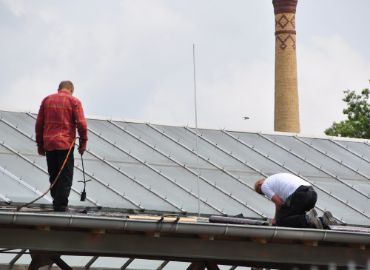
{"x":165,"y":218}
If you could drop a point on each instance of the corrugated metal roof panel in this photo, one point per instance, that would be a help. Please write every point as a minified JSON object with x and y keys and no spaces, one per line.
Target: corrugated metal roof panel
{"x":154,"y":167}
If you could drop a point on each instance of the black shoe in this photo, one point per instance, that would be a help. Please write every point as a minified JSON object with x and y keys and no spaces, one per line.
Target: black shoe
{"x":313,"y":220}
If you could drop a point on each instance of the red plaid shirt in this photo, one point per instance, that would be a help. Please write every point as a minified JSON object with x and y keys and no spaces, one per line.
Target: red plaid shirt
{"x":59,"y":116}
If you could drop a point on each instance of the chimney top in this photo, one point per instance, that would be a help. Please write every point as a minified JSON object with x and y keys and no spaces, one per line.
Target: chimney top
{"x":284,"y":6}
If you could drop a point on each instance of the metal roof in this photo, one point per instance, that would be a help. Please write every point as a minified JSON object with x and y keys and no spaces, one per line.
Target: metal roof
{"x":149,"y":168}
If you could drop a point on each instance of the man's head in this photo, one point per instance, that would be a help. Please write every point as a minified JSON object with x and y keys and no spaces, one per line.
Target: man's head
{"x":67,"y":85}
{"x":258,"y":185}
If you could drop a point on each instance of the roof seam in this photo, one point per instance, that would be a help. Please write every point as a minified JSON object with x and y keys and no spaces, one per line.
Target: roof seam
{"x":351,"y":151}
{"x":25,"y":158}
{"x":269,"y":158}
{"x":103,"y":183}
{"x":223,"y":170}
{"x":172,"y":159}
{"x":328,"y":193}
{"x":137,"y":159}
{"x":23,"y":183}
{"x":340,"y":163}
{"x":132,"y":178}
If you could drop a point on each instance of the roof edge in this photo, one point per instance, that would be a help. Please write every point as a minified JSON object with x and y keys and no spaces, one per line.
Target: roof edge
{"x":133,"y":121}
{"x":232,"y":230}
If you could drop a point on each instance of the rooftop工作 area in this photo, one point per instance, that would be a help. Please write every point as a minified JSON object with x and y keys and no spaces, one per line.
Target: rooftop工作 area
{"x":148,"y":169}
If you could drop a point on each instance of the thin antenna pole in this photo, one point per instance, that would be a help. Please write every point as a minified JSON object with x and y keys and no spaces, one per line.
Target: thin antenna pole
{"x":196,"y":127}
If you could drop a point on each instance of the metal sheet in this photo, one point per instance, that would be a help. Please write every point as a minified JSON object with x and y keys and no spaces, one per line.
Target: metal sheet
{"x":126,"y":142}
{"x":164,"y":144}
{"x":348,"y":195}
{"x":29,"y":173}
{"x":272,"y":151}
{"x":105,"y":150}
{"x":339,"y":161}
{"x":17,"y":141}
{"x":229,"y":162}
{"x":205,"y":149}
{"x":123,"y":184}
{"x":25,"y":171}
{"x":357,"y":164}
{"x":312,"y":155}
{"x":241,"y":192}
{"x":340,"y":210}
{"x":361,"y":148}
{"x":99,"y":193}
{"x":242,"y":152}
{"x":15,"y":191}
{"x":21,"y":120}
{"x":167,"y":188}
{"x":208,"y":192}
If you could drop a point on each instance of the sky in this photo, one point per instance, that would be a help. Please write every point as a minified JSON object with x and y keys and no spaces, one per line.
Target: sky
{"x":133,"y":59}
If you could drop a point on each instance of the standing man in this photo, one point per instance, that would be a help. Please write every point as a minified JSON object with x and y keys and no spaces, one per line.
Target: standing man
{"x":293,"y":197}
{"x":59,"y":116}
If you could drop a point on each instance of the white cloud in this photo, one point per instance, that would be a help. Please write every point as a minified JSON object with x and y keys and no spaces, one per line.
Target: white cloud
{"x":327,"y":67}
{"x":102,"y":54}
{"x":133,"y":59}
{"x":149,"y":18}
{"x":17,"y":7}
{"x":19,"y":96}
{"x":36,"y":9}
{"x":222,"y":101}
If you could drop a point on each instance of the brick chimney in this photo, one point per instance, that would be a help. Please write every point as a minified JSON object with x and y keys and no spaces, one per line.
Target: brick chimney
{"x":286,"y":89}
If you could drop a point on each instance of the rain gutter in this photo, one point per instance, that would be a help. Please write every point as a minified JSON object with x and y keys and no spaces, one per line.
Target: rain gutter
{"x":211,"y":229}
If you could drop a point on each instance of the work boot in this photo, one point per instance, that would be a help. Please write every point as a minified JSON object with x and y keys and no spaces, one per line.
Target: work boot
{"x":328,"y":219}
{"x":313,"y":220}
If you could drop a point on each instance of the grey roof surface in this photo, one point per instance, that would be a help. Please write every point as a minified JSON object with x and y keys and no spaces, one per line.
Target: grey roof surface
{"x":149,"y":167}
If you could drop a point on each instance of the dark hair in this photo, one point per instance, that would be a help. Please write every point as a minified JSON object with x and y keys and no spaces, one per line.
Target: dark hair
{"x":66,"y":84}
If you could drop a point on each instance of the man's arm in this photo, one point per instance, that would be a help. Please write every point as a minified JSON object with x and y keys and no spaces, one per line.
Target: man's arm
{"x":278,"y":203}
{"x":39,"y":129}
{"x":81,"y":126}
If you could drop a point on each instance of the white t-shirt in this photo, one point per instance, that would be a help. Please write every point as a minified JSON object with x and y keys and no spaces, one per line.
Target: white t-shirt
{"x":282,"y":184}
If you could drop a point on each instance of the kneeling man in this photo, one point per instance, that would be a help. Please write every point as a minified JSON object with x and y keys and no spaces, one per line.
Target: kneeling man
{"x":294,"y":199}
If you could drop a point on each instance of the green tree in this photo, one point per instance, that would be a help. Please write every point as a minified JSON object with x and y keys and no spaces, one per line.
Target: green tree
{"x":357,"y":110}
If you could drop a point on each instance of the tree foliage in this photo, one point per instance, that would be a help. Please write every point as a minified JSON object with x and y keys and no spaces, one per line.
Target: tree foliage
{"x":357,"y":110}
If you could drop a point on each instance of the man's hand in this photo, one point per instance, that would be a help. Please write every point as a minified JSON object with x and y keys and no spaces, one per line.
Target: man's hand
{"x":277,"y":201}
{"x":82,"y":148}
{"x":41,"y":150}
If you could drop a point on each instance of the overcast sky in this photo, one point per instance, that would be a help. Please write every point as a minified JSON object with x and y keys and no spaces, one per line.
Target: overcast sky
{"x":132,"y":59}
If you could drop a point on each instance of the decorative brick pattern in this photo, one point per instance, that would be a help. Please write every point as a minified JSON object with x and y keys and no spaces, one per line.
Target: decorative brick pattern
{"x":285,"y":30}
{"x":284,"y":40}
{"x":282,"y":21}
{"x":286,"y":85}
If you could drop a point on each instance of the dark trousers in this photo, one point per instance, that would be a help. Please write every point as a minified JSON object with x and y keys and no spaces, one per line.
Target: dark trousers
{"x":293,"y":211}
{"x":60,"y":191}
